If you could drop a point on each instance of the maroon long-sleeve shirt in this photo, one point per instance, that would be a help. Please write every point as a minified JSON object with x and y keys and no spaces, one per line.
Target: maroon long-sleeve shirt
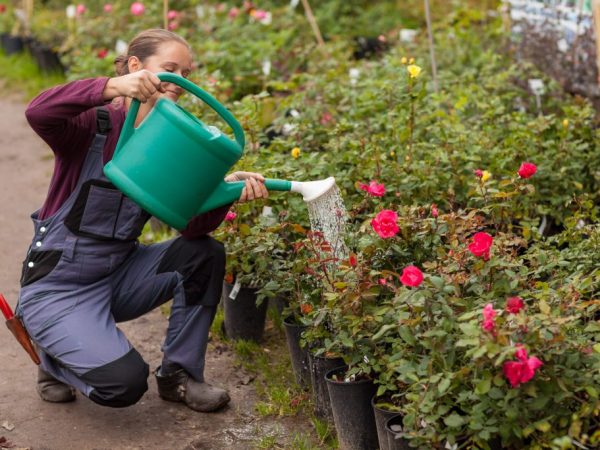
{"x":64,"y":116}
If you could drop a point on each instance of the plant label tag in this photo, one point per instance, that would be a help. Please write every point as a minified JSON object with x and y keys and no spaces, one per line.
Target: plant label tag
{"x":236,"y":289}
{"x":537,"y":86}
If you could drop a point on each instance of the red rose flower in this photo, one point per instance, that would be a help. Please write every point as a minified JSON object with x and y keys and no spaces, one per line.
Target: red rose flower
{"x":102,"y":53}
{"x":478,"y":173}
{"x":384,"y":223}
{"x":514,"y":305}
{"x":523,"y":370}
{"x":352,"y":260}
{"x":411,"y":276}
{"x":527,"y":170}
{"x":480,"y":247}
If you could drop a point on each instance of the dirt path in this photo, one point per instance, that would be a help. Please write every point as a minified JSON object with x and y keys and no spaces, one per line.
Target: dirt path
{"x":25,"y":169}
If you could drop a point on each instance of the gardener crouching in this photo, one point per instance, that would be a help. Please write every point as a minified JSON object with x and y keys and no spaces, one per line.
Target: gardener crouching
{"x":85,"y":270}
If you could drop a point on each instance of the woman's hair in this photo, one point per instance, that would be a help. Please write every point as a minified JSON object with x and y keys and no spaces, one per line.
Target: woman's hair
{"x":144,"y":45}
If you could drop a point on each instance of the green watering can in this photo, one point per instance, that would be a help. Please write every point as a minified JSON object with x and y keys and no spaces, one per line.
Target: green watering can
{"x":173,"y":165}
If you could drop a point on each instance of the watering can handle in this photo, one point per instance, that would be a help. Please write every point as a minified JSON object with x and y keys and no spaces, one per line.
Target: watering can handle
{"x":128,"y":126}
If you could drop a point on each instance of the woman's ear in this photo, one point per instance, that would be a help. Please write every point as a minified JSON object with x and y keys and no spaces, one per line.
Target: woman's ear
{"x":134,"y":64}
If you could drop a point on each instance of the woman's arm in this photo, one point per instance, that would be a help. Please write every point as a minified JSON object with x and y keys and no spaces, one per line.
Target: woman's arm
{"x":56,"y":114}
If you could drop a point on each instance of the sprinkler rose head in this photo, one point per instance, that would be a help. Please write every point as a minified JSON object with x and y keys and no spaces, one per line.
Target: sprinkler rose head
{"x":312,"y":190}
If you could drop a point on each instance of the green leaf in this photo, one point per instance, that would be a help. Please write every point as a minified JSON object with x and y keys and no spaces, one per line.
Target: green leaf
{"x":454,"y":420}
{"x":596,"y":348}
{"x":444,"y":385}
{"x":544,"y":308}
{"x":483,"y":386}
{"x":383,"y":330}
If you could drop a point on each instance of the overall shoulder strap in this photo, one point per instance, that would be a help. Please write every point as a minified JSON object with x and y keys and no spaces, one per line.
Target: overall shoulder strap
{"x":103,"y":124}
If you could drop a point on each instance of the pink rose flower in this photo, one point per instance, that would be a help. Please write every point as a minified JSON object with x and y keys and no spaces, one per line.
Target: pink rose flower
{"x":478,"y":173}
{"x":108,"y":8}
{"x":137,"y":8}
{"x":527,"y":170}
{"x":172,"y":26}
{"x":489,"y":313}
{"x":259,"y":14}
{"x":373,"y":188}
{"x":523,"y":370}
{"x":80,"y":9}
{"x":172,"y":14}
{"x":233,"y":12}
{"x":326,"y":117}
{"x":384,"y":223}
{"x":382,"y":281}
{"x":230,"y":216}
{"x":411,"y":276}
{"x":481,"y":244}
{"x":434,"y":211}
{"x":514,"y":305}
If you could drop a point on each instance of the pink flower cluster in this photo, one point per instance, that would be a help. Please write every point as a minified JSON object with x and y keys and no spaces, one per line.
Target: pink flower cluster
{"x":374,"y":189}
{"x":522,"y":370}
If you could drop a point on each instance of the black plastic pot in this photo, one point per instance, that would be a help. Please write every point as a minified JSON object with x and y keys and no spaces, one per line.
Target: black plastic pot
{"x":298,"y":355}
{"x":392,"y":428}
{"x":352,"y":411}
{"x":319,"y":366}
{"x":47,"y":59}
{"x":381,"y":417}
{"x":12,"y":44}
{"x":243,"y":318}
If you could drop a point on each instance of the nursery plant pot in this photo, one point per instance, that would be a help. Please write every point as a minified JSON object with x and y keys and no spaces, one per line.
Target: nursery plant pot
{"x":12,"y":44}
{"x":46,"y":58}
{"x":319,"y":366}
{"x":244,"y":319}
{"x":381,"y":417}
{"x":352,"y":411}
{"x":395,"y":440}
{"x":298,"y":355}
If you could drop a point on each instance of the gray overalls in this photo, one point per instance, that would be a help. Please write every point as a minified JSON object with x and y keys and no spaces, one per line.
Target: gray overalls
{"x":85,"y":271}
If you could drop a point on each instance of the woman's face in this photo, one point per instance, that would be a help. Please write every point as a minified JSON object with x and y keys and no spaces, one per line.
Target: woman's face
{"x":172,"y":56}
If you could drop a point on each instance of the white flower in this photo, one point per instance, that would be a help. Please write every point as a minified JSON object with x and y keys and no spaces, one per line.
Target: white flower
{"x":71,"y":11}
{"x":407,"y":34}
{"x":294,"y":3}
{"x":200,"y":12}
{"x":267,"y":20}
{"x":353,"y":73}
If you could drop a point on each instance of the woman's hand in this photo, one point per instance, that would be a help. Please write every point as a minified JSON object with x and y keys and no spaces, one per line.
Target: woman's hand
{"x":255,"y":185}
{"x":141,"y":84}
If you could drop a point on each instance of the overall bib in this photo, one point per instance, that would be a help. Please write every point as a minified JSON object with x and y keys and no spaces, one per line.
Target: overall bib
{"x":85,"y":271}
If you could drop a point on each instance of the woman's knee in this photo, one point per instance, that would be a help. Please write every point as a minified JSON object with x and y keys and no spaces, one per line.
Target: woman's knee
{"x":120,"y":383}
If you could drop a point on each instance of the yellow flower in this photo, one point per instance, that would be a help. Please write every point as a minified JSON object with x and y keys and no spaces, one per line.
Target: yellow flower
{"x":411,"y":61}
{"x":404,"y":60}
{"x":295,"y":152}
{"x":392,"y":153}
{"x":413,"y":71}
{"x":485,"y":175}
{"x":566,"y":123}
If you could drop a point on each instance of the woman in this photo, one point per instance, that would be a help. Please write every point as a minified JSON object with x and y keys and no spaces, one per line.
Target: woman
{"x":85,"y":270}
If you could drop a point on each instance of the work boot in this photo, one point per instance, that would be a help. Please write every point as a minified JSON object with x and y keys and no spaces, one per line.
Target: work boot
{"x":52,"y":390}
{"x":180,"y":387}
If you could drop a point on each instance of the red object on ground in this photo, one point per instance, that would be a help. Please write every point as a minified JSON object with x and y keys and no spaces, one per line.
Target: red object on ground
{"x":5,"y":308}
